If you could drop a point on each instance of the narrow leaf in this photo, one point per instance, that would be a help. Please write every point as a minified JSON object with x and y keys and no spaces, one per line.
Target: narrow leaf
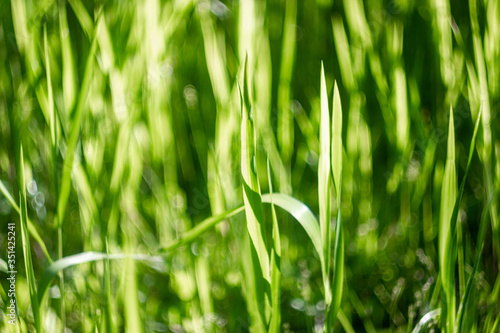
{"x":324,"y":185}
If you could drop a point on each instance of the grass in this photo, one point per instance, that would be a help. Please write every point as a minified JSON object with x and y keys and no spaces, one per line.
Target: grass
{"x":279,"y":166}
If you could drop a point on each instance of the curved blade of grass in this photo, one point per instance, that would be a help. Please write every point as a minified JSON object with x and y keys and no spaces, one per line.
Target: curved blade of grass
{"x":294,"y":207}
{"x":302,"y":214}
{"x":82,"y":258}
{"x":28,"y":263}
{"x":31,"y":227}
{"x":426,"y":319}
{"x":200,"y":228}
{"x":324,"y":175}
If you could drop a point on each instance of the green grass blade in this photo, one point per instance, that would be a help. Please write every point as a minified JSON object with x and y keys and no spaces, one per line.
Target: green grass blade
{"x":74,"y":134}
{"x":275,"y":323}
{"x":83,"y":17}
{"x":285,"y":116}
{"x":50,"y":99}
{"x":68,"y":67}
{"x":257,"y":268}
{"x":294,"y":207}
{"x":338,"y":265}
{"x":337,"y":147}
{"x":448,"y":197}
{"x":462,"y":309}
{"x":108,"y":322}
{"x":324,"y":178}
{"x":133,"y":322}
{"x":200,"y":228}
{"x":343,"y":53}
{"x":81,"y":258}
{"x":451,"y":246}
{"x":28,"y":262}
{"x":251,"y":187}
{"x":302,"y":214}
{"x":338,"y":255}
{"x":426,"y":319}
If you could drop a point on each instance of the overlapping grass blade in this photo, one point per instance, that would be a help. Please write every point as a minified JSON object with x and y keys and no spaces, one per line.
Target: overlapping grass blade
{"x":462,"y":309}
{"x":450,"y":201}
{"x":251,"y":187}
{"x":258,"y":283}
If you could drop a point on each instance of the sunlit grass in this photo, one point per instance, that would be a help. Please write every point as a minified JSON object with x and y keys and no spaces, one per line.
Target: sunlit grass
{"x":280,"y":166}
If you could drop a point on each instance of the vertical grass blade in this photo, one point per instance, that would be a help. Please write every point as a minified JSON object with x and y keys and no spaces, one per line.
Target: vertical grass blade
{"x":251,"y":187}
{"x":274,"y":326}
{"x":74,"y":134}
{"x":462,"y":309}
{"x":324,"y":178}
{"x":338,"y":254}
{"x":254,"y":214}
{"x":337,"y":147}
{"x":28,"y":262}
{"x":68,"y":67}
{"x":446,"y":262}
{"x":54,"y":146}
{"x":108,"y":324}
{"x":343,"y":53}
{"x":338,"y":269}
{"x":285,"y":116}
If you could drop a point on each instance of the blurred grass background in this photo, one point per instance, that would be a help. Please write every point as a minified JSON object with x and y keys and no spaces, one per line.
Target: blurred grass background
{"x":129,"y":115}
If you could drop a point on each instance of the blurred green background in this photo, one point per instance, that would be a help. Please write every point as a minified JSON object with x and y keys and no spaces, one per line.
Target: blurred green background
{"x":129,"y":116}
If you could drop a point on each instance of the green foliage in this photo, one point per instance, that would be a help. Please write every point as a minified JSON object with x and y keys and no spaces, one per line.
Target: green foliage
{"x":279,"y":166}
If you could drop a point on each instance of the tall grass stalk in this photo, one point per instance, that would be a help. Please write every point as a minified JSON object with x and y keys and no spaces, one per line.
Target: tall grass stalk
{"x":446,"y":243}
